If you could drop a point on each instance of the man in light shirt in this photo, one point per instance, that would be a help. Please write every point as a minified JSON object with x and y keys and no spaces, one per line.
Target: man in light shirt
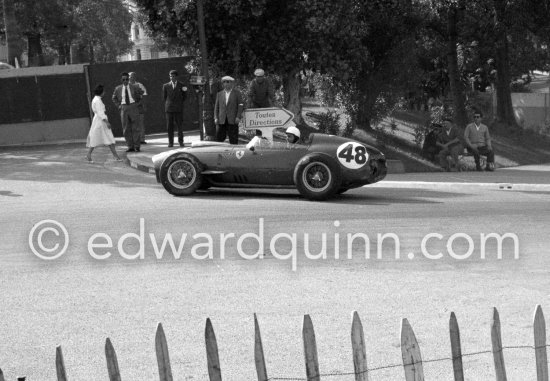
{"x":141,"y":106}
{"x":478,"y":142}
{"x":228,"y":110}
{"x":126,"y":98}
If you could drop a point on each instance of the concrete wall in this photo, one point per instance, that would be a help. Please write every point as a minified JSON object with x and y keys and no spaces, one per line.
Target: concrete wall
{"x":42,"y":70}
{"x":531,"y":109}
{"x":45,"y":131}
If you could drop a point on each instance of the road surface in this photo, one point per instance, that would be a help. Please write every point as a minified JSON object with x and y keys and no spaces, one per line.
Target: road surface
{"x":104,"y":286}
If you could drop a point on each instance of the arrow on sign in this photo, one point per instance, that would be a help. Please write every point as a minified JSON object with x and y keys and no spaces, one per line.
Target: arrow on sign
{"x":255,"y":118}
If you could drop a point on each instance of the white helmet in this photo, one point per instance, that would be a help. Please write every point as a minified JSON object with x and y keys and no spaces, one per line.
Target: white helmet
{"x":294,"y":131}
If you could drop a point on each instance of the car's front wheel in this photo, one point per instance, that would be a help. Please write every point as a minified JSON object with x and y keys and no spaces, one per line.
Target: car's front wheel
{"x":181,"y":176}
{"x":318,"y":177}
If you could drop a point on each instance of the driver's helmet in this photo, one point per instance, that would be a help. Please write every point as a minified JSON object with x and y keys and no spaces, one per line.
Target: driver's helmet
{"x":295,"y":132}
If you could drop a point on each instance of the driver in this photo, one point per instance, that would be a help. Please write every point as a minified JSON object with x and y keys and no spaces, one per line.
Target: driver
{"x":292,"y":135}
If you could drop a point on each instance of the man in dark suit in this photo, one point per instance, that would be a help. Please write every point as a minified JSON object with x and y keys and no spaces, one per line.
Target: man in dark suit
{"x":174,"y":94}
{"x":228,"y":110}
{"x":127,"y":97}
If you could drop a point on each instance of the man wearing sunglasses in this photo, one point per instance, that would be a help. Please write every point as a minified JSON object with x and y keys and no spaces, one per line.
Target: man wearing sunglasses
{"x":478,"y":142}
{"x":127,"y":97}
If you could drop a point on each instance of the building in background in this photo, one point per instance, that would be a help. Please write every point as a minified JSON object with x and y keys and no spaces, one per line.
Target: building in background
{"x":144,"y":46}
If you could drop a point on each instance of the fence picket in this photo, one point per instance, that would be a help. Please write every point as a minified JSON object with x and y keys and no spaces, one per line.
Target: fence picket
{"x":112,"y":362}
{"x":358,"y":348}
{"x":539,"y":329}
{"x":259,"y":357}
{"x":60,"y":364}
{"x":2,"y":375}
{"x":163,"y":357}
{"x":310,"y":350}
{"x":410,"y":351}
{"x":496,"y":340}
{"x":212,"y":356}
{"x":456,"y":348}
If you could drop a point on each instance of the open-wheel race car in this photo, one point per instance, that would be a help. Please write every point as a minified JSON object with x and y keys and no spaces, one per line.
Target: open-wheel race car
{"x":321,"y":166}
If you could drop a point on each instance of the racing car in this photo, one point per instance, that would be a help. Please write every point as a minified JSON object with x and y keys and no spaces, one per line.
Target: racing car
{"x":319,"y":167}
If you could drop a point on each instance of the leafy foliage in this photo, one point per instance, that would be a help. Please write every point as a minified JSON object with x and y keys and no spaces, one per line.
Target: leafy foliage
{"x":102,"y":27}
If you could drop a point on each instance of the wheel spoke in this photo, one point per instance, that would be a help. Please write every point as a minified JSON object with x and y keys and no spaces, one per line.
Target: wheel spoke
{"x":181,"y":174}
{"x":317,"y":177}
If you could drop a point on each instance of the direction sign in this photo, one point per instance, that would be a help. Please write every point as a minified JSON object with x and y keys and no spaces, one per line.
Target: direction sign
{"x":258,"y":118}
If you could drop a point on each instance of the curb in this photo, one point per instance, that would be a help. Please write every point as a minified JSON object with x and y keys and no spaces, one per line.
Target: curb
{"x":140,"y":167}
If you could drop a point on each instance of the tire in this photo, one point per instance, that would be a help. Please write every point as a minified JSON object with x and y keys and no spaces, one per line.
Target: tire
{"x":317,"y":177}
{"x":181,"y":176}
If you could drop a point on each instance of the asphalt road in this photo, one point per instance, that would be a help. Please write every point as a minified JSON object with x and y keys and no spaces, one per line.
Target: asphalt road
{"x":77,"y":300}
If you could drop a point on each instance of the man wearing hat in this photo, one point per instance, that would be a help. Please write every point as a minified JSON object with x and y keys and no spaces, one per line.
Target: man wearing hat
{"x":174,"y":94}
{"x":228,"y":110}
{"x":261,"y":92}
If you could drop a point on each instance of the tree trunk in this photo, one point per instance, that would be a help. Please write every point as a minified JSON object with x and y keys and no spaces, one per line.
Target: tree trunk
{"x":62,"y":52}
{"x":13,"y":35}
{"x":369,"y":86}
{"x":291,"y":90}
{"x":36,"y":58}
{"x":457,"y":88}
{"x":91,"y":53}
{"x":208,"y":111}
{"x":505,"y":111}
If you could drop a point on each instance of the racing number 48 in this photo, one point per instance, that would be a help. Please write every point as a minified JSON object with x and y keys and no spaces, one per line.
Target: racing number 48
{"x":359,"y":157}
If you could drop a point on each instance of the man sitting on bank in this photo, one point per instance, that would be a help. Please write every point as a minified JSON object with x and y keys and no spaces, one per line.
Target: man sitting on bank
{"x":478,"y":142}
{"x":449,"y":142}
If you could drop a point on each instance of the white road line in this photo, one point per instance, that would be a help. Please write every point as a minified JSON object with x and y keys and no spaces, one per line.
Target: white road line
{"x":450,"y":186}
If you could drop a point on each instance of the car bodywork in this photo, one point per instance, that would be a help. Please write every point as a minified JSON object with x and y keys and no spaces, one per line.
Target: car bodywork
{"x":319,"y":167}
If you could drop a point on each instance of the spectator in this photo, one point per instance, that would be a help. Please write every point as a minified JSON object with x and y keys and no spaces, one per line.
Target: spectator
{"x":228,"y":110}
{"x":478,"y":142}
{"x":100,"y":132}
{"x":257,"y":141}
{"x":449,"y":142}
{"x":141,"y":106}
{"x":127,"y":97}
{"x":174,"y":94}
{"x":260,"y":94}
{"x":430,"y":148}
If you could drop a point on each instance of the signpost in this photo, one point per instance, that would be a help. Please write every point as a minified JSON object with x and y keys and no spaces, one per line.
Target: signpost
{"x":266,"y":119}
{"x":198,"y":82}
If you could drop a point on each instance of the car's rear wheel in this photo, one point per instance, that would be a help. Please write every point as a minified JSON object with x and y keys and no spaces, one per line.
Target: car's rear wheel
{"x":318,"y":178}
{"x":181,"y":176}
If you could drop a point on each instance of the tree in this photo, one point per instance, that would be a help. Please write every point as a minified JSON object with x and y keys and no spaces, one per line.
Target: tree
{"x":444,"y":18}
{"x":356,"y":41}
{"x":13,"y":36}
{"x":368,"y":49}
{"x":102,"y":27}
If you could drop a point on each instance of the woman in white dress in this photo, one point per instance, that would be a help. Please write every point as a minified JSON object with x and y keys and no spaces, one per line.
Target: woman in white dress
{"x":100,"y":132}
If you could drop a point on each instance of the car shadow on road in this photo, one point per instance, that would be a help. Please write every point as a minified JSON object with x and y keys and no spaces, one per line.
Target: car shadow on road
{"x":378,"y":196}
